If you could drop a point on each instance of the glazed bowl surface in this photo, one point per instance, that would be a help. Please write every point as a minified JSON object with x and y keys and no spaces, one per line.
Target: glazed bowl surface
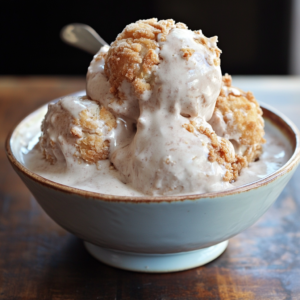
{"x":120,"y":230}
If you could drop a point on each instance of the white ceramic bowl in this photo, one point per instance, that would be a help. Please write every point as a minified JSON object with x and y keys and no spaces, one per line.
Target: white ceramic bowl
{"x":161,"y":234}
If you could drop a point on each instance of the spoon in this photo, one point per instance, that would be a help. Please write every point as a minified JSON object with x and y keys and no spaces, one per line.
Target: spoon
{"x":83,"y":37}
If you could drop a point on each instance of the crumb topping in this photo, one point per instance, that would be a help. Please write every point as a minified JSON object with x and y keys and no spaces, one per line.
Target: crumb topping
{"x":133,"y":54}
{"x":92,"y":147}
{"x":100,"y":56}
{"x":211,"y":46}
{"x":88,"y":134}
{"x":227,"y":80}
{"x":241,"y":114}
{"x":220,"y":151}
{"x":243,"y":118}
{"x":187,"y":53}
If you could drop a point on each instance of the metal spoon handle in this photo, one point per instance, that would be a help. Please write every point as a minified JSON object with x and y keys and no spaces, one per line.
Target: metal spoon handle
{"x":83,"y":37}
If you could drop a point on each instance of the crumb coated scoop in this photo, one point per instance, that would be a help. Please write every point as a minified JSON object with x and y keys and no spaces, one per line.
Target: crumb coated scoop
{"x":160,"y":76}
{"x":158,"y":108}
{"x":76,"y":129}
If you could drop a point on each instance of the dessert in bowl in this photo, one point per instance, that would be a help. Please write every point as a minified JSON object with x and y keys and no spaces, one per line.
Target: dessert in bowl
{"x":163,"y":160}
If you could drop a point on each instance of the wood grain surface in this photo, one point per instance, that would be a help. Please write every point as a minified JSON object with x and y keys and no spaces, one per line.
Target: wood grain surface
{"x":40,"y":260}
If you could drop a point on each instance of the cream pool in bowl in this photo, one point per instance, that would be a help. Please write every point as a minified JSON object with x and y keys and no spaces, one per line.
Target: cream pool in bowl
{"x":155,"y":234}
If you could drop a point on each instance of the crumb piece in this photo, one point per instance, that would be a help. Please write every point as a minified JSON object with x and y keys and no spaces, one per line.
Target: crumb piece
{"x":218,"y":52}
{"x":86,"y":135}
{"x":243,"y":117}
{"x":52,"y":143}
{"x":133,"y":54}
{"x":247,"y":115}
{"x":87,"y":120}
{"x":150,"y":59}
{"x":220,"y":151}
{"x":188,"y":127}
{"x":100,"y":56}
{"x":108,"y":117}
{"x":76,"y":132}
{"x":201,"y":39}
{"x":209,"y":44}
{"x":181,"y":26}
{"x":51,"y":159}
{"x":227,"y":80}
{"x":169,"y":161}
{"x":209,"y":60}
{"x":250,"y":96}
{"x":217,"y":61}
{"x":140,"y":86}
{"x":92,"y":148}
{"x":187,"y":53}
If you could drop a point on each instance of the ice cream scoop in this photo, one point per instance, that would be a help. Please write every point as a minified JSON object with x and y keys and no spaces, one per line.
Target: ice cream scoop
{"x":76,"y":129}
{"x":238,"y":118}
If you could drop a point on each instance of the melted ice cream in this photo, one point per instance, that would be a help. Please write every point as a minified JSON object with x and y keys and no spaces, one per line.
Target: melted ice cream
{"x":103,"y":179}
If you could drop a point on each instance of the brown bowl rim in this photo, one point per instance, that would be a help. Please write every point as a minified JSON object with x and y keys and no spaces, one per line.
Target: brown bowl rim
{"x":287,"y":127}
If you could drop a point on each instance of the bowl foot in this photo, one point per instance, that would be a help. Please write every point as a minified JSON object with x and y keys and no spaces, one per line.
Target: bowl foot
{"x":156,"y":263}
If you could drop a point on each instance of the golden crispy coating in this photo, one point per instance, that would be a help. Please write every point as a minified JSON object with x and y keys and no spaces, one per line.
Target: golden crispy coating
{"x":181,"y":25}
{"x":227,"y":80}
{"x":187,"y":53}
{"x":209,"y":43}
{"x":133,"y":54}
{"x":47,"y":156}
{"x":87,"y":133}
{"x":101,"y":55}
{"x":92,"y":148}
{"x":88,"y":120}
{"x":243,"y":116}
{"x":220,"y":150}
{"x":217,"y":61}
{"x":108,"y":118}
{"x":188,"y":127}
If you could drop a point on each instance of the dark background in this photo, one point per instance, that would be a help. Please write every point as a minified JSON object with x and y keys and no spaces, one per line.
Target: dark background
{"x":253,"y":35}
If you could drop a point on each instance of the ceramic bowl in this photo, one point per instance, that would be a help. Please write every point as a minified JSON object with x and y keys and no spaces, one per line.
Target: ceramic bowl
{"x":161,"y":234}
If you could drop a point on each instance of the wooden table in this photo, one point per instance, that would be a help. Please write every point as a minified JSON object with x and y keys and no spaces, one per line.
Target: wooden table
{"x":40,"y":260}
